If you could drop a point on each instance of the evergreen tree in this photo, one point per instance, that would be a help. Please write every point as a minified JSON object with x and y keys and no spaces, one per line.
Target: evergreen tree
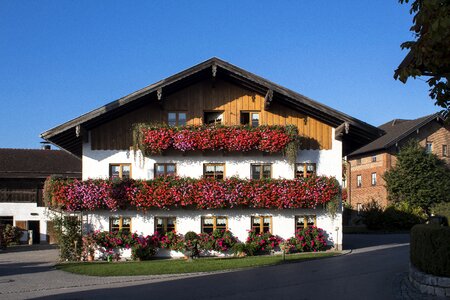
{"x":419,"y":178}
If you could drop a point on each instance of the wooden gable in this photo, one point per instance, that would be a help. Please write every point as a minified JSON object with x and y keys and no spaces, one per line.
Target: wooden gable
{"x":207,"y":95}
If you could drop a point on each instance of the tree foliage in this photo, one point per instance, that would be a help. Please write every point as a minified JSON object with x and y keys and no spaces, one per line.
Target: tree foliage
{"x":430,"y":51}
{"x":419,"y":178}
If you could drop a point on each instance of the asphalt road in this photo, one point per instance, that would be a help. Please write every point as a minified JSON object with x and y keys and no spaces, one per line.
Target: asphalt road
{"x":374,"y":269}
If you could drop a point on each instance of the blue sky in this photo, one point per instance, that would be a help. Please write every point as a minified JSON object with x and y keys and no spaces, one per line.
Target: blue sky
{"x":61,"y":59}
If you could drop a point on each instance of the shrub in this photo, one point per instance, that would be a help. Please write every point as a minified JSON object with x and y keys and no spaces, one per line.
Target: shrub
{"x":403,"y":215}
{"x":219,"y":240}
{"x":191,"y":242}
{"x":442,"y":209}
{"x":144,"y":248}
{"x":68,"y":235}
{"x":240,"y":249}
{"x":261,"y":243}
{"x":115,"y":239}
{"x":2,"y":243}
{"x":372,"y":215}
{"x":12,"y":235}
{"x":172,"y":241}
{"x":430,"y":249}
{"x":397,"y":216}
{"x":310,"y":239}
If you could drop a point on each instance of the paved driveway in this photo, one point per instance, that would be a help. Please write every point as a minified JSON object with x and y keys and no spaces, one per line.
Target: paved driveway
{"x":375,"y":269}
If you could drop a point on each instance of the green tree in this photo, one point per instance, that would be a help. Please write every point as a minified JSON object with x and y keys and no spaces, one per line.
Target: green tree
{"x":419,"y":178}
{"x":430,"y":51}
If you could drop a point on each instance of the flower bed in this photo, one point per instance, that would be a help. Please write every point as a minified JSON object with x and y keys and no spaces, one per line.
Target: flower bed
{"x":170,"y":192}
{"x":118,"y":244}
{"x":154,"y":139}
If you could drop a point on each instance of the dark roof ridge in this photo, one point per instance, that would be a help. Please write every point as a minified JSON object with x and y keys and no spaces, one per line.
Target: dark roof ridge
{"x":387,"y":140}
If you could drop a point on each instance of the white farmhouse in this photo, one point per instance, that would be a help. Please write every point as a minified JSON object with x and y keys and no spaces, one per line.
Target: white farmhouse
{"x":213,"y":92}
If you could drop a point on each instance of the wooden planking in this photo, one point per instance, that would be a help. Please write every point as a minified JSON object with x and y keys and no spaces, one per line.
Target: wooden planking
{"x":201,"y":97}
{"x":117,"y":134}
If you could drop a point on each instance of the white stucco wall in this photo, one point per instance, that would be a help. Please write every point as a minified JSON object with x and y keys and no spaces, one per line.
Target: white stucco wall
{"x":96,"y":162}
{"x":27,"y":212}
{"x":239,"y":220}
{"x":328,"y":162}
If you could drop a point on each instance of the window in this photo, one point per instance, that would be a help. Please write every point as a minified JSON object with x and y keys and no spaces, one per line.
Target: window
{"x":358,"y":161}
{"x":444,"y":150}
{"x":214,"y":117}
{"x":209,"y":224}
{"x":358,"y":181}
{"x":164,"y":224}
{"x":358,"y":208}
{"x":304,"y":221}
{"x":216,"y":171}
{"x":120,"y":223}
{"x":429,"y":147}
{"x":165,"y":170}
{"x":261,"y":171}
{"x":120,"y":171}
{"x":261,"y":224}
{"x":374,"y":178}
{"x":374,"y":158}
{"x":250,"y":118}
{"x":305,"y":170}
{"x":176,"y":118}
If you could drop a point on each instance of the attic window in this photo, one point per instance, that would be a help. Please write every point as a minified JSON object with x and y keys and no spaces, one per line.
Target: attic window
{"x":176,"y":118}
{"x":213,"y":117}
{"x":250,"y":118}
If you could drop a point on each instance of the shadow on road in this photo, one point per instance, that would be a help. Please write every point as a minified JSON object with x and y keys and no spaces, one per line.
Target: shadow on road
{"x":8,"y":269}
{"x":26,"y":248}
{"x":358,"y":241}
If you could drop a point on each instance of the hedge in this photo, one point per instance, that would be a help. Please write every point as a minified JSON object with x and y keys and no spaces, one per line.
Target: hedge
{"x":430,"y":249}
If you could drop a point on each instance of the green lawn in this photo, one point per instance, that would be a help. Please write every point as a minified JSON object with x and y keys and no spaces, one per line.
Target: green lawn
{"x":177,"y":266}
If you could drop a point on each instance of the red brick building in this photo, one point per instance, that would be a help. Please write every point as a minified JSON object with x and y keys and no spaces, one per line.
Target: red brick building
{"x":367,"y":165}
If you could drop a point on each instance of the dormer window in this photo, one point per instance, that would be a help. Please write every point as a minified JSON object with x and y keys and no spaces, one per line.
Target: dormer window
{"x":176,"y":118}
{"x":250,"y":119}
{"x":213,"y":117}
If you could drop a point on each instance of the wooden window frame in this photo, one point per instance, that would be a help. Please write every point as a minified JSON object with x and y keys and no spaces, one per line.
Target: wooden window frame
{"x":261,"y":223}
{"x":177,"y":117}
{"x":165,"y":169}
{"x":373,"y":182}
{"x":358,"y":182}
{"x":305,"y":169}
{"x":305,"y":221}
{"x":214,"y":164}
{"x":251,"y":113}
{"x":121,"y":218}
{"x":262,"y":171}
{"x":165,"y":221}
{"x":444,"y":150}
{"x":120,"y":165}
{"x":222,"y":112}
{"x":374,"y":158}
{"x":214,"y":218}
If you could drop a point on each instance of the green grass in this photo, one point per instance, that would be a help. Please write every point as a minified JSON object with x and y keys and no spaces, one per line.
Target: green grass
{"x":178,"y":266}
